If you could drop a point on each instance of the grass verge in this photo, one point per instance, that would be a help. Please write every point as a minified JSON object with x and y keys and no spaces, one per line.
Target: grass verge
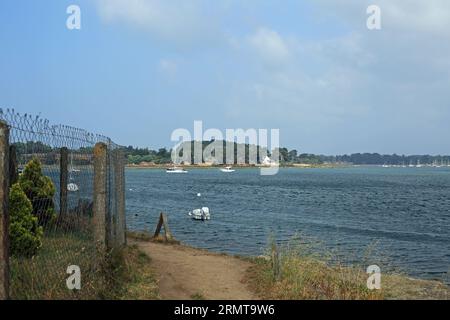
{"x":132,"y":276}
{"x":306,"y":277}
{"x":43,"y":277}
{"x":124,"y":274}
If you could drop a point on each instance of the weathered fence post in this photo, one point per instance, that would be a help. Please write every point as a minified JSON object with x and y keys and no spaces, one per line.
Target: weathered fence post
{"x":13,"y":167}
{"x":4,"y":211}
{"x":100,"y":205}
{"x":276,"y":263}
{"x":111,"y":206}
{"x":163,"y":222}
{"x":119,"y":174}
{"x":63,"y":181}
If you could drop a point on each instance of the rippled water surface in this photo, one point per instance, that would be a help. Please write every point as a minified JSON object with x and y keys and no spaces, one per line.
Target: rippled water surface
{"x":403,"y":212}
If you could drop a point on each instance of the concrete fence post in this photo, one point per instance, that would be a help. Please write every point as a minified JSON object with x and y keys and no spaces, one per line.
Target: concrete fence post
{"x":13,"y":166}
{"x":63,"y":180}
{"x":119,"y":189}
{"x":4,"y":211}
{"x":100,"y":204}
{"x":110,"y":216}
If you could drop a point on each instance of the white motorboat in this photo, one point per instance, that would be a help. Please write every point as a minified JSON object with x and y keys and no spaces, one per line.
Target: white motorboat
{"x":176,"y":170}
{"x":227,"y":169}
{"x":200,"y":214}
{"x":72,"y":187}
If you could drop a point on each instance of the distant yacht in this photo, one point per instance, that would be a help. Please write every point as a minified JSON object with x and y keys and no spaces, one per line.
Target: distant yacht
{"x":72,"y":186}
{"x":437,"y":165}
{"x":227,"y":169}
{"x":72,"y":168}
{"x":176,"y":170}
{"x":269,"y":162}
{"x":418,"y":164}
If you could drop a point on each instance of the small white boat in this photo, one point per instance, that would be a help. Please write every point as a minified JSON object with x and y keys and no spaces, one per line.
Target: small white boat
{"x":200,"y":214}
{"x":227,"y":169}
{"x":176,"y":170}
{"x":72,"y":187}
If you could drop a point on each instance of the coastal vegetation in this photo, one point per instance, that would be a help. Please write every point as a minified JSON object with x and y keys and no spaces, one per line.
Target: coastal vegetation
{"x":32,"y":208}
{"x":288,"y":157}
{"x":308,"y":278}
{"x":25,"y":232}
{"x":40,"y":190}
{"x":306,"y":275}
{"x":125,"y":274}
{"x":136,"y":156}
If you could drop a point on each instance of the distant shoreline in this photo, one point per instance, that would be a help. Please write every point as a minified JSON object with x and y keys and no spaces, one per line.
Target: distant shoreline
{"x":244,"y":166}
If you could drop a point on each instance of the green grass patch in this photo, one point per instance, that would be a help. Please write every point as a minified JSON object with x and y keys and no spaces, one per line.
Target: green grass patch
{"x":134,"y":279}
{"x":44,"y":275}
{"x":124,"y":273}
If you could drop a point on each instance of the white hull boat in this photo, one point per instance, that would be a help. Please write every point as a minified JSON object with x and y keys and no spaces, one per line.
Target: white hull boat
{"x":176,"y":170}
{"x":72,"y":187}
{"x":200,"y":214}
{"x":227,"y":169}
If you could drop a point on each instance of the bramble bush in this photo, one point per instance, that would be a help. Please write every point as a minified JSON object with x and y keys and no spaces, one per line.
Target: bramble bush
{"x":25,"y":232}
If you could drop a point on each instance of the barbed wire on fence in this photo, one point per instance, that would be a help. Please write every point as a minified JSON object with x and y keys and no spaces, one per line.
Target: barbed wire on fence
{"x":51,"y":223}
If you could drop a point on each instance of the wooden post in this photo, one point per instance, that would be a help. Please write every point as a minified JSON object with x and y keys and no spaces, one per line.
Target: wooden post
{"x":100,"y":205}
{"x":276,"y":263}
{"x":163,"y":222}
{"x":119,"y":174}
{"x":63,"y":181}
{"x":4,"y":211}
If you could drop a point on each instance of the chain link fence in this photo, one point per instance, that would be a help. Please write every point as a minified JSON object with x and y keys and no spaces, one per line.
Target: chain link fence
{"x":52,"y":223}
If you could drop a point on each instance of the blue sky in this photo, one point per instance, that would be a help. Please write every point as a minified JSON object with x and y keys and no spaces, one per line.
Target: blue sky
{"x":138,"y":69}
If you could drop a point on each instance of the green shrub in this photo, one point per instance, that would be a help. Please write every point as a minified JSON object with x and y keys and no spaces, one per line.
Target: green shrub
{"x":40,"y":190}
{"x":25,"y":232}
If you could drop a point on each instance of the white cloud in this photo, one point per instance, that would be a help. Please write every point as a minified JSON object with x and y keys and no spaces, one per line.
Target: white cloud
{"x":168,"y":67}
{"x":270,"y":46}
{"x":418,"y":15}
{"x":397,"y":15}
{"x":381,"y":84}
{"x":174,"y":21}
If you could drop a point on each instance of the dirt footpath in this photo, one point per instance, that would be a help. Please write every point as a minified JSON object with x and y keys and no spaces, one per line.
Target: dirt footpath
{"x":187,"y":273}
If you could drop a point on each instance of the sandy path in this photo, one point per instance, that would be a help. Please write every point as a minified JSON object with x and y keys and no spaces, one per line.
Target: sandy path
{"x":185,"y":273}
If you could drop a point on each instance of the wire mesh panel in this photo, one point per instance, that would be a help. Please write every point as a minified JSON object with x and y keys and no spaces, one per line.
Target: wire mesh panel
{"x":51,"y":209}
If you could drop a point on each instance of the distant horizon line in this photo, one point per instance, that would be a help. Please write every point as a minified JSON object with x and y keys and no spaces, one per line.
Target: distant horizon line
{"x":311,"y":153}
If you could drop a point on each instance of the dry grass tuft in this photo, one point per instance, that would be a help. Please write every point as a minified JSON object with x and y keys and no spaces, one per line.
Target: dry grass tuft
{"x":304,"y":276}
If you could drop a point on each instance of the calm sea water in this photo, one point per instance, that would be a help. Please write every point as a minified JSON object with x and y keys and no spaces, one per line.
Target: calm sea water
{"x":403,"y":212}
